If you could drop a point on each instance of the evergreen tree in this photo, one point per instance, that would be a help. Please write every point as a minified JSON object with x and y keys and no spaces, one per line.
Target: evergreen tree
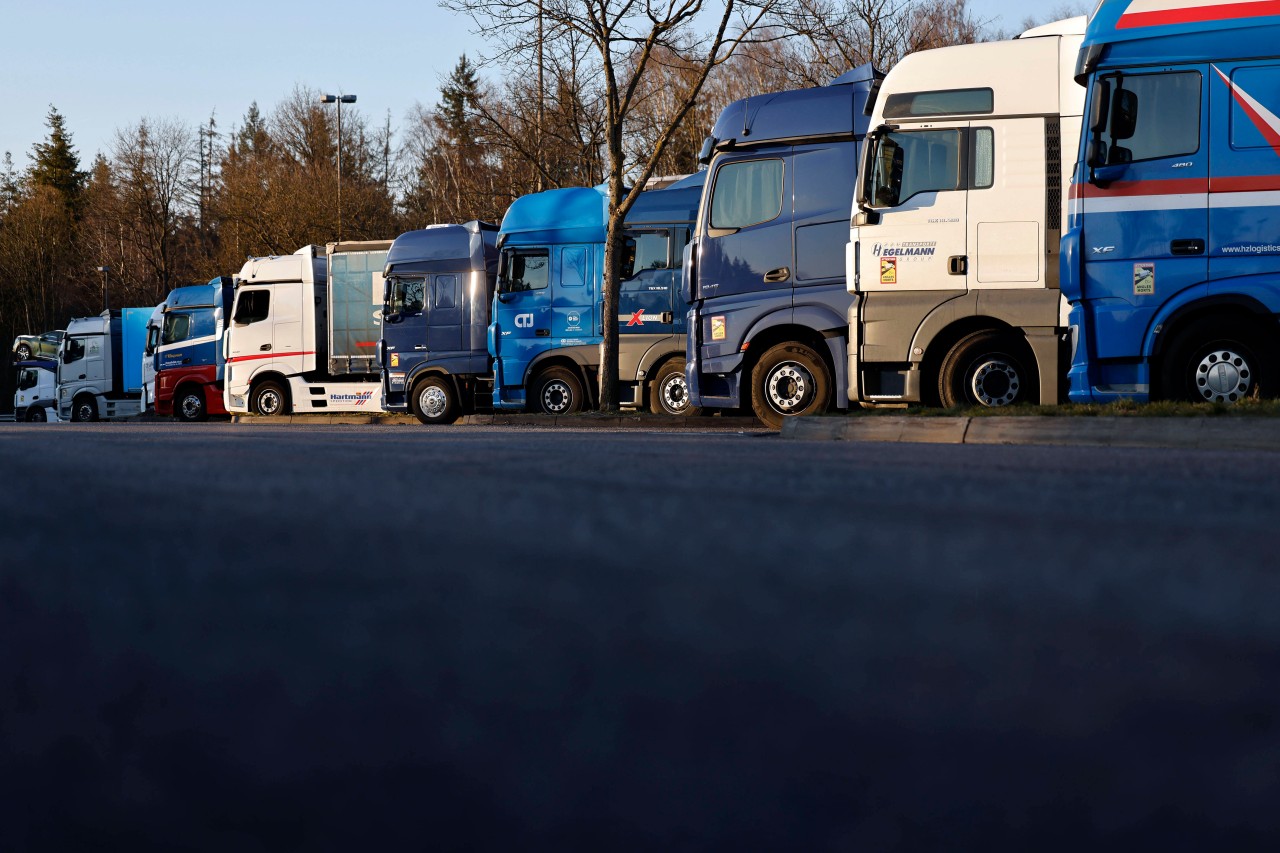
{"x":254,"y":137}
{"x":56,"y":164}
{"x":459,"y":97}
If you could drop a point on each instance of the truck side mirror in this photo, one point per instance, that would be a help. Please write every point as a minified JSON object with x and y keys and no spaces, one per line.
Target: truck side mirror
{"x":1124,"y":114}
{"x":1100,"y":106}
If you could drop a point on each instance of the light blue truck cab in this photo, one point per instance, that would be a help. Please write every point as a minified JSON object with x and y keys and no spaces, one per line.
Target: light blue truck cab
{"x":766,"y":269}
{"x":189,"y":358}
{"x":1171,"y":263}
{"x":437,"y":288}
{"x":547,"y":324}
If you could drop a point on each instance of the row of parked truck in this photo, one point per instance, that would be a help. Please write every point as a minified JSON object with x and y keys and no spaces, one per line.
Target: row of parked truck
{"x":1090,"y":211}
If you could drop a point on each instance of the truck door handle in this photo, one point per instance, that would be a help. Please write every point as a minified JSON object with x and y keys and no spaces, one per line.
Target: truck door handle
{"x":1187,"y":247}
{"x":667,"y":316}
{"x":958,"y":265}
{"x":265,"y":347}
{"x":780,"y":274}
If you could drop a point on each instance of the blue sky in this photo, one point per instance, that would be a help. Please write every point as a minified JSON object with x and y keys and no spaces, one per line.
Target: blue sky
{"x":105,"y":66}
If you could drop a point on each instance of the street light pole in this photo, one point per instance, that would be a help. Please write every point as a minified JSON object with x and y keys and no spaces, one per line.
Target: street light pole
{"x":339,"y":100}
{"x":104,"y":271}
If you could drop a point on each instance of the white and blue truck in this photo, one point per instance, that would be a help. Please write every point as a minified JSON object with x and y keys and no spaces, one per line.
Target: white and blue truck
{"x":35,"y":399}
{"x":100,"y":365}
{"x":1171,"y":260}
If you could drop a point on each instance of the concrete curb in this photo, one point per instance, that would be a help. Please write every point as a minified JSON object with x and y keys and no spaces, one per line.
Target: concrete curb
{"x":1227,"y":433}
{"x":580,"y":421}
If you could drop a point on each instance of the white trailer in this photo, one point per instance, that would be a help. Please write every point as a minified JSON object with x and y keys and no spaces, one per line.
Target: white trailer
{"x":304,"y":332}
{"x":962,"y":196}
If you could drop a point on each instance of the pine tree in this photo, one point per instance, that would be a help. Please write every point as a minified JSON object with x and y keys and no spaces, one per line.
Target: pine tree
{"x":254,"y":136}
{"x":56,"y":164}
{"x":459,"y":98}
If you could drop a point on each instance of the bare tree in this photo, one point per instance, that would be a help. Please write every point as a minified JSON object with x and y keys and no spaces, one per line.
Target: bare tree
{"x":627,"y":38}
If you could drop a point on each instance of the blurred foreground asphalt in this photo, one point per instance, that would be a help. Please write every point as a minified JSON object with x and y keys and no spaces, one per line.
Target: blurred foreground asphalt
{"x":230,"y":637}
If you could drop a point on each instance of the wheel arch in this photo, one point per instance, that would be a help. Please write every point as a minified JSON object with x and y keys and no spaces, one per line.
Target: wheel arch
{"x":571,"y":359}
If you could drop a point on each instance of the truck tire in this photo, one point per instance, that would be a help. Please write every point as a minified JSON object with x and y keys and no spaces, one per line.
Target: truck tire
{"x":434,"y":401}
{"x":36,"y":415}
{"x":84,"y":409}
{"x":987,"y":368}
{"x":789,"y":380}
{"x":558,"y":392}
{"x":1218,"y":360}
{"x":269,"y":399}
{"x":669,"y":391}
{"x":22,"y":353}
{"x":189,"y":404}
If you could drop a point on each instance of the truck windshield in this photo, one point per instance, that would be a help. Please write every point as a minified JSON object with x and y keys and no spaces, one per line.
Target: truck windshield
{"x":902,"y":165}
{"x":523,"y":269}
{"x":406,"y":296}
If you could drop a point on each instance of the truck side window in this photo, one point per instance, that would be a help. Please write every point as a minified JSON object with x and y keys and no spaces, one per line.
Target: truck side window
{"x":907,"y":164}
{"x":72,"y":350}
{"x":982,"y":159}
{"x":1157,"y":116}
{"x":524,"y":270}
{"x":252,"y":306}
{"x":445,"y":293}
{"x":177,"y":328}
{"x":407,"y":295}
{"x":645,"y":250}
{"x":747,"y":193}
{"x":26,"y":379}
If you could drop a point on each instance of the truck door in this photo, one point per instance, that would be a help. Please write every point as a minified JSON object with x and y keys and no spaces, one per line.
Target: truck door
{"x":746,"y":242}
{"x":444,"y":315}
{"x":522,"y":311}
{"x":574,"y":295}
{"x":250,"y":342}
{"x":913,"y":255}
{"x":1144,"y":201}
{"x":648,"y":284}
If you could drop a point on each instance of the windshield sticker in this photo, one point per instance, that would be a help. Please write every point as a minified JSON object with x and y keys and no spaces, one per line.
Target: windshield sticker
{"x":1144,"y":279}
{"x":889,"y":270}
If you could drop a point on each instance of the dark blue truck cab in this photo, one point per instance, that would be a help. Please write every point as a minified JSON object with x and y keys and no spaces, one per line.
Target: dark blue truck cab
{"x":767,"y":321}
{"x":438,"y":286}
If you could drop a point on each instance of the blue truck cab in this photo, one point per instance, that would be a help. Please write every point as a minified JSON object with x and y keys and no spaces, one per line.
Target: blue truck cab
{"x":547,"y":323}
{"x":189,"y":359}
{"x":437,"y":288}
{"x":768,"y":323}
{"x":1171,"y":263}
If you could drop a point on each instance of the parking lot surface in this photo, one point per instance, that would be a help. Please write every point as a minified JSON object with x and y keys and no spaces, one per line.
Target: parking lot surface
{"x":341,"y":637}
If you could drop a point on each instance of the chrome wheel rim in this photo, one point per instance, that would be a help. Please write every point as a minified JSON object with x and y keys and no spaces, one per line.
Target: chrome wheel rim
{"x":788,"y":387}
{"x":433,"y":401}
{"x":995,"y":382}
{"x":191,"y":406}
{"x":674,"y":394}
{"x":557,"y":396}
{"x":269,"y":402}
{"x":1223,"y":376}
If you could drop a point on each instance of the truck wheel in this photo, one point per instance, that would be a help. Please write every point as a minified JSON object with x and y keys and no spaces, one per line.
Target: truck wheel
{"x":789,"y":380}
{"x":1217,"y":361}
{"x":987,"y":368}
{"x":189,"y":405}
{"x":669,"y":391}
{"x":558,"y":392}
{"x":84,"y":410}
{"x":22,"y":353}
{"x":434,"y":401}
{"x":36,"y":414}
{"x":270,"y":399}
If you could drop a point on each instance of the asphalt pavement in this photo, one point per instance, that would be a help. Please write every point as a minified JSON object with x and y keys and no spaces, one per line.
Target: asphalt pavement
{"x":240,"y":637}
